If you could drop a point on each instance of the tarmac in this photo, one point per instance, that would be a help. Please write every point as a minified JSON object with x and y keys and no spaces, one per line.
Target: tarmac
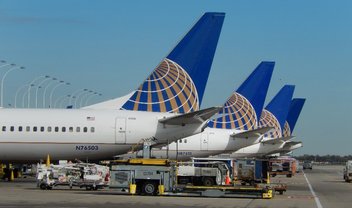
{"x":323,"y":186}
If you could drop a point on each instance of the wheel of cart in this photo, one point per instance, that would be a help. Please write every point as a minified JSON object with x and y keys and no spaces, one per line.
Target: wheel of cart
{"x":208,"y":181}
{"x":149,"y":188}
{"x":42,"y":186}
{"x":45,"y":186}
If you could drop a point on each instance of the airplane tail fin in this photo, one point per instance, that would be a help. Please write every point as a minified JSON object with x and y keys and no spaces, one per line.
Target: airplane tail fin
{"x":293,"y":114}
{"x":178,"y":82}
{"x":243,"y":108}
{"x":276,"y":111}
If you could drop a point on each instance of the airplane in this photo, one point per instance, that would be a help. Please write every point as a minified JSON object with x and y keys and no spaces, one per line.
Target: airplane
{"x":236,"y":125}
{"x":163,"y":109}
{"x":281,"y":145}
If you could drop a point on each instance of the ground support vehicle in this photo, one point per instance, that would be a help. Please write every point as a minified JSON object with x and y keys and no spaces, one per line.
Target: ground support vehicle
{"x":84,"y":175}
{"x":264,"y":192}
{"x":142,"y":176}
{"x":206,"y":173}
{"x":279,"y":187}
{"x":282,"y":166}
{"x":252,"y":171}
{"x":307,"y":165}
{"x":160,"y":177}
{"x":347,"y":171}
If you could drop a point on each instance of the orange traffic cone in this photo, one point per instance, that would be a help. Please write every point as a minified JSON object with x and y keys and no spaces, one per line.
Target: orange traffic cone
{"x":227,"y":179}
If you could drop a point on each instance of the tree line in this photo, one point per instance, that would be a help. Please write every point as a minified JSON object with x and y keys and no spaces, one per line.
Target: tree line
{"x":325,"y":158}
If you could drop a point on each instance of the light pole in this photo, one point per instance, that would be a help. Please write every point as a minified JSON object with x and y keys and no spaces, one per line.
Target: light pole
{"x":3,"y":78}
{"x":61,"y":100}
{"x":2,"y":66}
{"x":2,"y":61}
{"x":23,"y":98}
{"x":18,"y":91}
{"x":52,"y":91}
{"x":31,"y":84}
{"x":46,"y":77}
{"x":74,"y":96}
{"x":45,"y":89}
{"x":78,"y":95}
{"x":91,"y":96}
{"x":85,"y":96}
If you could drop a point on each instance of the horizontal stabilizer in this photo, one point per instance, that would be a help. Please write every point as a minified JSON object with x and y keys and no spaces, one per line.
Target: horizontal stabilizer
{"x":273,"y":141}
{"x":252,"y":133}
{"x":293,"y":143}
{"x":199,"y":116}
{"x":287,"y":138}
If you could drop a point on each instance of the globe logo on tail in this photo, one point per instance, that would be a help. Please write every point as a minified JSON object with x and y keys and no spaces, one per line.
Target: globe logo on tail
{"x":237,"y":113}
{"x":267,"y":119}
{"x":168,"y":89}
{"x":287,"y":130}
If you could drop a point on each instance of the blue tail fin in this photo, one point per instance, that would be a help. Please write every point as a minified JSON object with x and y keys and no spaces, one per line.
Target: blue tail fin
{"x":293,"y":114}
{"x":256,"y":86}
{"x":178,"y":83}
{"x":276,"y":111}
{"x":242,"y":110}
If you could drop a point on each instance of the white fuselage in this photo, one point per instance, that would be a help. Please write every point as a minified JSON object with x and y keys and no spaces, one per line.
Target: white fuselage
{"x":31,"y":134}
{"x":210,"y":142}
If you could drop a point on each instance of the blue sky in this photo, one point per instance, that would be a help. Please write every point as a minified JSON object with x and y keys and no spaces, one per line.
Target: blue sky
{"x":112,"y":46}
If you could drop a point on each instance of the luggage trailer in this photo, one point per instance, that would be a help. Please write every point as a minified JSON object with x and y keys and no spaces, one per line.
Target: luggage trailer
{"x":160,"y":177}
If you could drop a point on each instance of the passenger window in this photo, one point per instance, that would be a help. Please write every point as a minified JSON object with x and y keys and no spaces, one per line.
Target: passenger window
{"x":35,"y":129}
{"x":56,"y":129}
{"x":42,"y":128}
{"x":12,"y":128}
{"x":78,"y":129}
{"x":20,"y":128}
{"x":3,"y":128}
{"x":180,"y":140}
{"x":92,"y":129}
{"x":63,"y":129}
{"x":185,"y":141}
{"x":49,"y":128}
{"x":70,"y":129}
{"x":28,"y":128}
{"x":85,"y":129}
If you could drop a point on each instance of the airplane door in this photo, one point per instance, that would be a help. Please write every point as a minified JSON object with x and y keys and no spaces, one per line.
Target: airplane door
{"x":204,"y":141}
{"x":120,"y":128}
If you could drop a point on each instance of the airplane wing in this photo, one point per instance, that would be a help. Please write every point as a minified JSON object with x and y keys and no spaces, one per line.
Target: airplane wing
{"x":199,"y":116}
{"x":252,"y":133}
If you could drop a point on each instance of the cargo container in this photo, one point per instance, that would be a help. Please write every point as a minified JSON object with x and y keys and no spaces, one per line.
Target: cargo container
{"x":252,"y":171}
